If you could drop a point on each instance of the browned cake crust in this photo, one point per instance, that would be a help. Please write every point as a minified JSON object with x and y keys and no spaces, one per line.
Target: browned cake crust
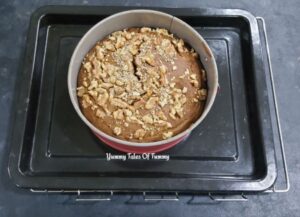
{"x":141,"y":85}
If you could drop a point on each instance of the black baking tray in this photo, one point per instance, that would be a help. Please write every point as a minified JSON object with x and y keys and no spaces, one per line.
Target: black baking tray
{"x":231,"y":151}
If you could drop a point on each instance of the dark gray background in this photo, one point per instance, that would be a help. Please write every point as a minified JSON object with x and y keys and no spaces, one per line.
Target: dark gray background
{"x":283,"y":20}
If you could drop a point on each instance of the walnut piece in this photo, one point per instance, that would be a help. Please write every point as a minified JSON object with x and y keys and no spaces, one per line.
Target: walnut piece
{"x":167,"y":135}
{"x":117,"y":131}
{"x":100,"y":114}
{"x":80,"y":91}
{"x":118,"y":114}
{"x":151,"y":103}
{"x":139,"y":134}
{"x":119,"y":103}
{"x":102,"y":98}
{"x":203,"y":94}
{"x":148,"y":119}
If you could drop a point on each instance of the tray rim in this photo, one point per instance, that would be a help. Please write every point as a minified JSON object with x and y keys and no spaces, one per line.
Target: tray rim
{"x":20,"y":104}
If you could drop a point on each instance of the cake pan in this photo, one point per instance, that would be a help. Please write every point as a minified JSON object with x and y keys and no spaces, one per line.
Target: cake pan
{"x":143,"y":18}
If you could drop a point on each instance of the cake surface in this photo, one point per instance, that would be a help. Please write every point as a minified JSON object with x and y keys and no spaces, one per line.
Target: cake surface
{"x":141,"y":85}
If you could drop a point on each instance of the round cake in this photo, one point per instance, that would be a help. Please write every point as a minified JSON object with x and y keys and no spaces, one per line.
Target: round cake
{"x":142,"y":85}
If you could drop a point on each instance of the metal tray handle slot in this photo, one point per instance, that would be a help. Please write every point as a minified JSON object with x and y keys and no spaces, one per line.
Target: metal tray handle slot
{"x":160,"y":197}
{"x":228,"y":198}
{"x":282,"y":149}
{"x":83,"y":196}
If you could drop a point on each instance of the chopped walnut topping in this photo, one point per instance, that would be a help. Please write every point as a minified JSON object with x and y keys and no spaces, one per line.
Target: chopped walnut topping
{"x":173,"y":113}
{"x":120,"y":83}
{"x":118,"y":114}
{"x":100,"y":114}
{"x":187,"y":72}
{"x":162,"y":123}
{"x":93,"y":85}
{"x":139,"y":134}
{"x":162,"y":116}
{"x":120,"y":42}
{"x":172,"y":85}
{"x":128,"y":36}
{"x":80,"y":91}
{"x":106,"y":85}
{"x":99,"y":53}
{"x":112,"y":79}
{"x":145,"y":29}
{"x":119,"y":90}
{"x":203,"y":94}
{"x":180,"y":45}
{"x":109,"y":46}
{"x":163,"y":102}
{"x":112,"y":38}
{"x":151,"y":102}
{"x":148,"y":119}
{"x":132,"y":79}
{"x":87,"y":66}
{"x":167,"y":135}
{"x":93,"y":93}
{"x":86,"y":101}
{"x":117,"y":131}
{"x":133,"y":50}
{"x":162,"y":31}
{"x":128,"y":112}
{"x":193,"y":76}
{"x":150,"y":60}
{"x":163,"y":69}
{"x":119,"y":103}
{"x":195,"y":83}
{"x":94,"y":107}
{"x":102,"y":98}
{"x":194,"y":54}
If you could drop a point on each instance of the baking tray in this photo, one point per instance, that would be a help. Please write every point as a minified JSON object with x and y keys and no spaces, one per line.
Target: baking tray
{"x":231,"y":151}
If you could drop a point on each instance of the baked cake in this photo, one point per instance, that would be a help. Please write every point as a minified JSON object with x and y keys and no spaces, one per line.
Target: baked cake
{"x":142,"y":85}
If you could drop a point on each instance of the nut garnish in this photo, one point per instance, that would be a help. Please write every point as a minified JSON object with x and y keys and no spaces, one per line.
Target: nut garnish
{"x":100,"y":113}
{"x":127,"y":112}
{"x":202,"y":94}
{"x":132,"y":79}
{"x":119,"y":103}
{"x":102,"y":98}
{"x":139,"y":134}
{"x":87,"y":66}
{"x":151,"y":102}
{"x":80,"y":91}
{"x":118,"y":114}
{"x":109,"y":46}
{"x":117,"y":131}
{"x":187,"y":72}
{"x":148,"y":119}
{"x":162,"y":116}
{"x":193,"y":76}
{"x":167,"y":135}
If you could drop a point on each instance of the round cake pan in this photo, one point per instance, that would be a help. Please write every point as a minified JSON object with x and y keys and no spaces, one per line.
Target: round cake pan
{"x":143,"y":18}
